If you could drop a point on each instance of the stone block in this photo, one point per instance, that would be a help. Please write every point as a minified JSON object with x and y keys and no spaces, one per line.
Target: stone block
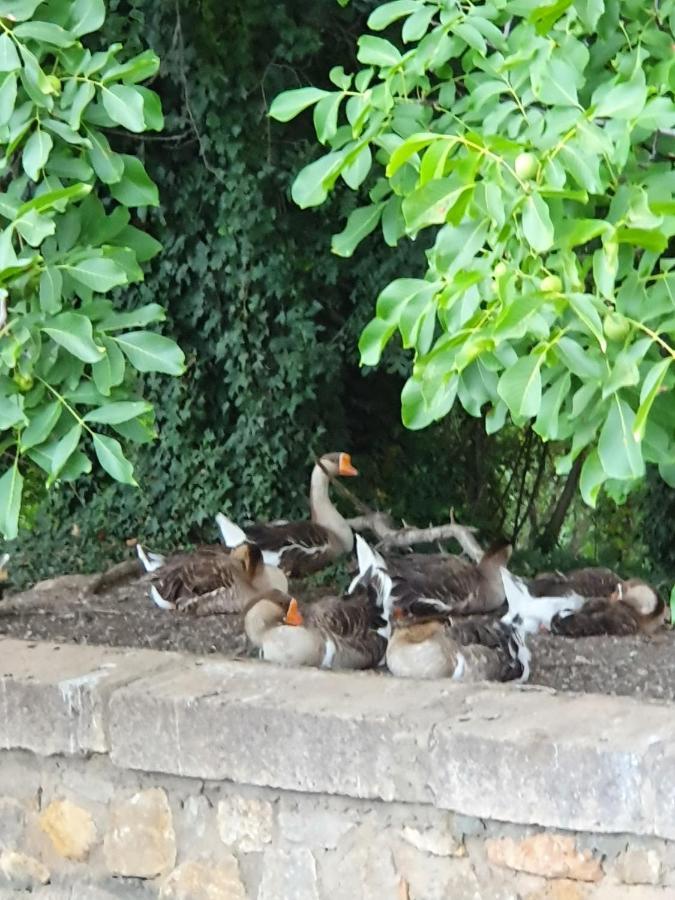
{"x":560,"y":889}
{"x":70,"y":828}
{"x":24,"y":873}
{"x":435,"y":878}
{"x":54,"y":697}
{"x":316,"y":822}
{"x":289,"y":875}
{"x":245,"y":823}
{"x":204,"y":880}
{"x":140,"y":841}
{"x":549,"y":855}
{"x":12,"y":822}
{"x":361,"y":867}
{"x":640,"y":866}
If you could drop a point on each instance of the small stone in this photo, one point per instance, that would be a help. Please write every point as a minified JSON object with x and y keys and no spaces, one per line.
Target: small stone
{"x":23,"y":872}
{"x":203,"y":881}
{"x":639,"y":867}
{"x":560,"y":890}
{"x":550,"y":855}
{"x":245,"y":823}
{"x":288,"y":874}
{"x":12,"y":822}
{"x":314,"y":823}
{"x":140,"y":841}
{"x":70,"y":828}
{"x":431,"y":840}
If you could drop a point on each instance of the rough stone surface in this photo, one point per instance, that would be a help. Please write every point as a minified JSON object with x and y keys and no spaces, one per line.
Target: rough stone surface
{"x":550,"y":855}
{"x":201,"y":880}
{"x":289,"y":874}
{"x":245,"y":823}
{"x":12,"y":822}
{"x":140,"y":840}
{"x":315,"y":822}
{"x":438,"y":842}
{"x":560,"y":890}
{"x":639,"y":867}
{"x":434,"y":877}
{"x":21,"y":871}
{"x":362,"y":866}
{"x":70,"y":828}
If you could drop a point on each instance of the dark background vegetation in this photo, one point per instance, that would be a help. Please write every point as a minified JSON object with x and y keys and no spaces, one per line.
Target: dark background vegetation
{"x":269,"y":321}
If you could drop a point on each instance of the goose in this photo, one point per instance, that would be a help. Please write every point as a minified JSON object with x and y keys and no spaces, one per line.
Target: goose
{"x":212,"y":580}
{"x":301,"y":548}
{"x":427,"y":643}
{"x":633,"y":608}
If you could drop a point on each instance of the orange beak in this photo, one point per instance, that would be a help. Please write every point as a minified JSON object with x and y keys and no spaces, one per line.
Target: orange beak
{"x":345,"y":467}
{"x":293,"y":616}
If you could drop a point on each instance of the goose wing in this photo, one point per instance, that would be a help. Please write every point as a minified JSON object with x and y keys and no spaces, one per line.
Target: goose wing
{"x":299,"y":548}
{"x":596,"y":617}
{"x":494,"y":650}
{"x":195,"y":575}
{"x":591,"y":581}
{"x":350,"y":628}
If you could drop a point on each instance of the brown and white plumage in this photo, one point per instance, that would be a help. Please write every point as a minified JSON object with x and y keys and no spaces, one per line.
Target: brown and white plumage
{"x":591,"y":581}
{"x":212,"y":580}
{"x":425,"y":643}
{"x":633,"y":608}
{"x":301,"y":548}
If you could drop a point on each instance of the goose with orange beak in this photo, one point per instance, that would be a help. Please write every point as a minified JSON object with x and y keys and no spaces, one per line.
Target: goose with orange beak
{"x":301,"y":548}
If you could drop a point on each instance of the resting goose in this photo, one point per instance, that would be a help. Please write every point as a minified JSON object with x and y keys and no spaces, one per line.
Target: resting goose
{"x":427,"y":643}
{"x":212,"y":580}
{"x":628,"y":606}
{"x":301,"y":548}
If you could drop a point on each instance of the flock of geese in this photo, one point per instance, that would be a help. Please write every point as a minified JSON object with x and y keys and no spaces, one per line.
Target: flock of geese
{"x":423,"y":615}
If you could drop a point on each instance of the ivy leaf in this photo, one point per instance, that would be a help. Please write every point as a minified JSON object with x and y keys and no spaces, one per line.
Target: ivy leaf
{"x":99,"y":274}
{"x":360,"y":224}
{"x":112,"y":459}
{"x":36,"y":153}
{"x":520,"y":387}
{"x":74,"y":332}
{"x":619,"y":452}
{"x":135,"y":187}
{"x":124,"y":105}
{"x":537,"y":224}
{"x":114,"y":413}
{"x":289,"y":104}
{"x":11,"y":488}
{"x":9,"y":58}
{"x":149,"y":352}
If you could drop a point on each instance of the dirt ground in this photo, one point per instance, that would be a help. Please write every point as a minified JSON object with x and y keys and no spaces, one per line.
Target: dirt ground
{"x":65,"y":610}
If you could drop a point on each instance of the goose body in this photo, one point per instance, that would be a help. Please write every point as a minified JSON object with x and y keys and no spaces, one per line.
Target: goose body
{"x":212,"y":580}
{"x":434,"y":646}
{"x":301,"y":548}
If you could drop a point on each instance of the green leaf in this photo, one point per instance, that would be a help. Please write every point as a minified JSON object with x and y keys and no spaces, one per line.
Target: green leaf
{"x":112,"y":459}
{"x":325,"y":117}
{"x":582,"y":166}
{"x":114,"y":413}
{"x":431,"y":204}
{"x":374,"y":337}
{"x":425,"y":402}
{"x":55,"y":199}
{"x":78,"y":464}
{"x":109,"y":370}
{"x":135,"y":188}
{"x":18,"y":10}
{"x":150,"y":352}
{"x":624,"y":373}
{"x":355,"y":173}
{"x":143,"y":244}
{"x":74,"y":332}
{"x":360,"y":224}
{"x":546,"y":424}
{"x":7,"y":98}
{"x":9,"y":58}
{"x":410,"y":147}
{"x":11,"y":412}
{"x":36,"y":153}
{"x":471,"y":36}
{"x":556,"y":82}
{"x":520,"y":387}
{"x":592,"y":478}
{"x":34,"y":228}
{"x":384,"y":15}
{"x":650,"y":389}
{"x":537,"y":224}
{"x":108,"y":165}
{"x":289,"y":104}
{"x":124,"y":105}
{"x":623,"y":100}
{"x":99,"y":274}
{"x":138,"y":68}
{"x":619,"y":452}
{"x":134,"y":318}
{"x":83,"y":97}
{"x":309,"y":187}
{"x":45,"y":32}
{"x":11,"y":488}
{"x":61,"y":451}
{"x":42,"y":423}
{"x":583,"y":306}
{"x":86,"y":16}
{"x":376,"y":51}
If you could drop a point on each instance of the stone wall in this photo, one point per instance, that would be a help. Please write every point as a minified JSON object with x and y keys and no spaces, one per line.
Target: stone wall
{"x":133,"y":774}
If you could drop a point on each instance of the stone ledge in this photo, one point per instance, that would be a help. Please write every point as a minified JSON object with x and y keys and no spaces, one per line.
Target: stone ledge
{"x":521,"y":755}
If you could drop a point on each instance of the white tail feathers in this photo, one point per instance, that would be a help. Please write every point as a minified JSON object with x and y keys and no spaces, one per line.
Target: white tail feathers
{"x":158,"y":600}
{"x":367,"y":556}
{"x":231,"y":534}
{"x":531,"y":614}
{"x":150,"y":561}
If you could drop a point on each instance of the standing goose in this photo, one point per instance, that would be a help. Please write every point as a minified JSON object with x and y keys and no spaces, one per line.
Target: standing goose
{"x":301,"y":548}
{"x":426,"y":643}
{"x":213,"y":580}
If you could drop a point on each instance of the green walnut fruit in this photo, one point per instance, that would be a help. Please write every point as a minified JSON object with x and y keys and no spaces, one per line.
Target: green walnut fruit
{"x":551,"y":284}
{"x":54,"y":84}
{"x":616,"y":326}
{"x":500,"y":269}
{"x":23,"y":382}
{"x":526,"y":165}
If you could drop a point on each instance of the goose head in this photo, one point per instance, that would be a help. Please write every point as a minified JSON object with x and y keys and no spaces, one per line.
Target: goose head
{"x":338,"y":464}
{"x":264,"y":613}
{"x":638,"y":594}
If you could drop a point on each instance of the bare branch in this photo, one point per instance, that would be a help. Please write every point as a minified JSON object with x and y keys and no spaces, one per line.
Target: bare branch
{"x":463,"y":534}
{"x":380,"y":523}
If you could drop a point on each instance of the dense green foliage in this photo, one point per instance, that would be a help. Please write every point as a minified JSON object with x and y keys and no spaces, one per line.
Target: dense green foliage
{"x":533,"y":139}
{"x":68,"y":357}
{"x":269,"y":321}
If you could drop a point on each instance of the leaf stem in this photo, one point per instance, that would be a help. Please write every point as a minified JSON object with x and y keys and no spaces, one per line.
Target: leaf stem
{"x":62,"y":400}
